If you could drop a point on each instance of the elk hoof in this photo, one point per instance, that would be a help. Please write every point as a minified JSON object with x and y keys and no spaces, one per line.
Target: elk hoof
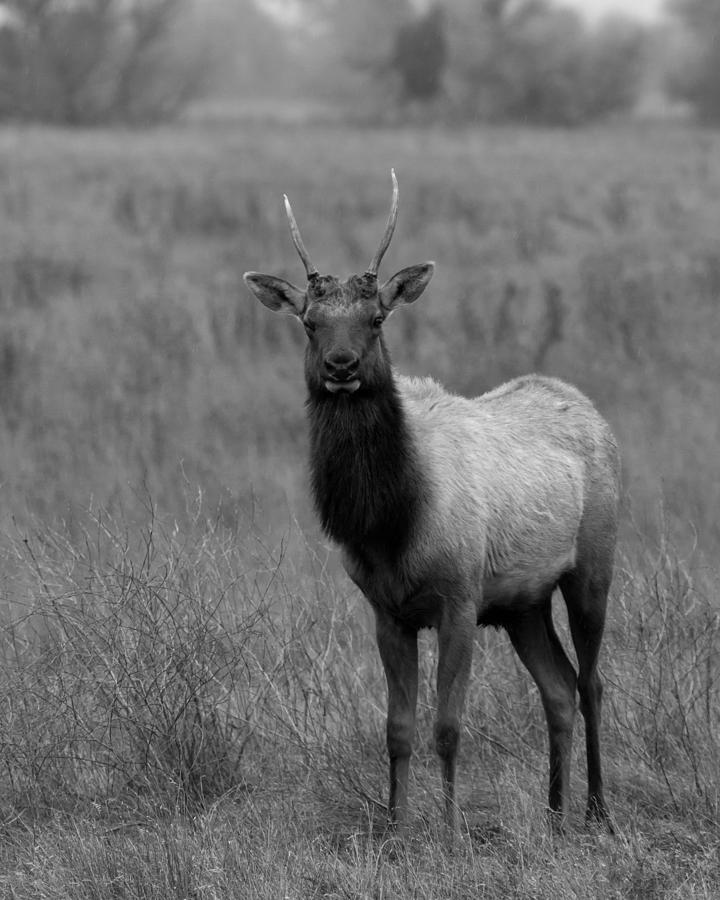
{"x":598,"y":816}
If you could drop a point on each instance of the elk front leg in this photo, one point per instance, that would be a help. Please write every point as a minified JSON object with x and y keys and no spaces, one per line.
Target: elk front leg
{"x":398,"y":651}
{"x":455,"y":644}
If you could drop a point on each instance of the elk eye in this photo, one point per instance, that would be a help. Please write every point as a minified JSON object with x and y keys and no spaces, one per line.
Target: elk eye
{"x":377,"y":321}
{"x":309,"y":326}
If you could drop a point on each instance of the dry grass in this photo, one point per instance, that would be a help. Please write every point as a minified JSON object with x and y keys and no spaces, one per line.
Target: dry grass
{"x":191,"y":703}
{"x":194,"y":713}
{"x":132,"y":353}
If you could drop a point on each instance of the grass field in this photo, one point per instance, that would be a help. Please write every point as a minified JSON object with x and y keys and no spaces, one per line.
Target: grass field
{"x":191,"y":703}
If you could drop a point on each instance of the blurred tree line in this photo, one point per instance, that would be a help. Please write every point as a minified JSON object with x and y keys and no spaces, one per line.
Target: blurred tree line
{"x":695,"y":75}
{"x":529,"y":60}
{"x":534,"y":61}
{"x":95,"y":61}
{"x":537,"y":62}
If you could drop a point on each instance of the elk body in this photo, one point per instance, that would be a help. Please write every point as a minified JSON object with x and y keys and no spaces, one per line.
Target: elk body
{"x":453,"y":512}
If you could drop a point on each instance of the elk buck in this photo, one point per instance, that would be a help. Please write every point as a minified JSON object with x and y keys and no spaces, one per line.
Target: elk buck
{"x":453,"y":512}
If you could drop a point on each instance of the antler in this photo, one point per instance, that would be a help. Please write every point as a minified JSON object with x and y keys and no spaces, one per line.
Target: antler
{"x":389,"y":229}
{"x":297,"y":240}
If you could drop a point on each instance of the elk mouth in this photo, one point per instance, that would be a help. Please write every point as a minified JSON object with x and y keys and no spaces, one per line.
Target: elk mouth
{"x":342,"y":387}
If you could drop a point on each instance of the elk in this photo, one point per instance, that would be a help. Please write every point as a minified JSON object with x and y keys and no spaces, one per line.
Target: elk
{"x":453,"y":512}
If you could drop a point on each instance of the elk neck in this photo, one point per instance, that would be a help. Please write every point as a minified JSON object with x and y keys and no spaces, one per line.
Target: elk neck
{"x":364,"y":468}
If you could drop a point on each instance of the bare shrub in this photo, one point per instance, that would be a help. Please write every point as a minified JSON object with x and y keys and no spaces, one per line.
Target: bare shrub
{"x":664,"y":677}
{"x":125,"y":667}
{"x":164,"y":668}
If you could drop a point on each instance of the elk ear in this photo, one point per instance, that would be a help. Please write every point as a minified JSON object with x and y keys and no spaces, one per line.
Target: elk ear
{"x":406,"y":285}
{"x":276,"y":293}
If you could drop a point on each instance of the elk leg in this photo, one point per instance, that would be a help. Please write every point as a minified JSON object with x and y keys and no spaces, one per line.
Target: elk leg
{"x":455,"y":645}
{"x":538,"y":646}
{"x":399,"y":655}
{"x":586,"y":603}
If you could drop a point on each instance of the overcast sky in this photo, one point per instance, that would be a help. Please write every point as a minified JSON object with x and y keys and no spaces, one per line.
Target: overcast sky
{"x":643,"y":9}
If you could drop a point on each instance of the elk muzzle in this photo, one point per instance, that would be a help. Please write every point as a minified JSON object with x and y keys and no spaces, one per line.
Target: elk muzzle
{"x":341,"y":367}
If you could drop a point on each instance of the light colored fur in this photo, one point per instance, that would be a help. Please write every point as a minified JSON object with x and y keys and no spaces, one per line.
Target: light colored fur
{"x":510,"y":477}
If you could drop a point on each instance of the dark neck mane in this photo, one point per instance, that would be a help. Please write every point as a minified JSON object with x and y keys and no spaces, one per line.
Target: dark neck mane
{"x":364,"y":471}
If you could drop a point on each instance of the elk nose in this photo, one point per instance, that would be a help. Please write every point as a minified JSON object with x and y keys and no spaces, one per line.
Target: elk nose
{"x":342,"y":365}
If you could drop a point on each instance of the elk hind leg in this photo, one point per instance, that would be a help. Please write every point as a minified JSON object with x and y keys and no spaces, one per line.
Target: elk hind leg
{"x":538,"y":646}
{"x":586,"y":600}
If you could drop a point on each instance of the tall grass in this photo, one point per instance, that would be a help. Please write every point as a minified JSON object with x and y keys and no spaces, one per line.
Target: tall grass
{"x":172,"y":695}
{"x":145,"y":664}
{"x":133,"y":354}
{"x":191,"y":703}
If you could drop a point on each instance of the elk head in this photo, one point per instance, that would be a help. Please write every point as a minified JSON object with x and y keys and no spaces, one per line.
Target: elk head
{"x":343,"y":319}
